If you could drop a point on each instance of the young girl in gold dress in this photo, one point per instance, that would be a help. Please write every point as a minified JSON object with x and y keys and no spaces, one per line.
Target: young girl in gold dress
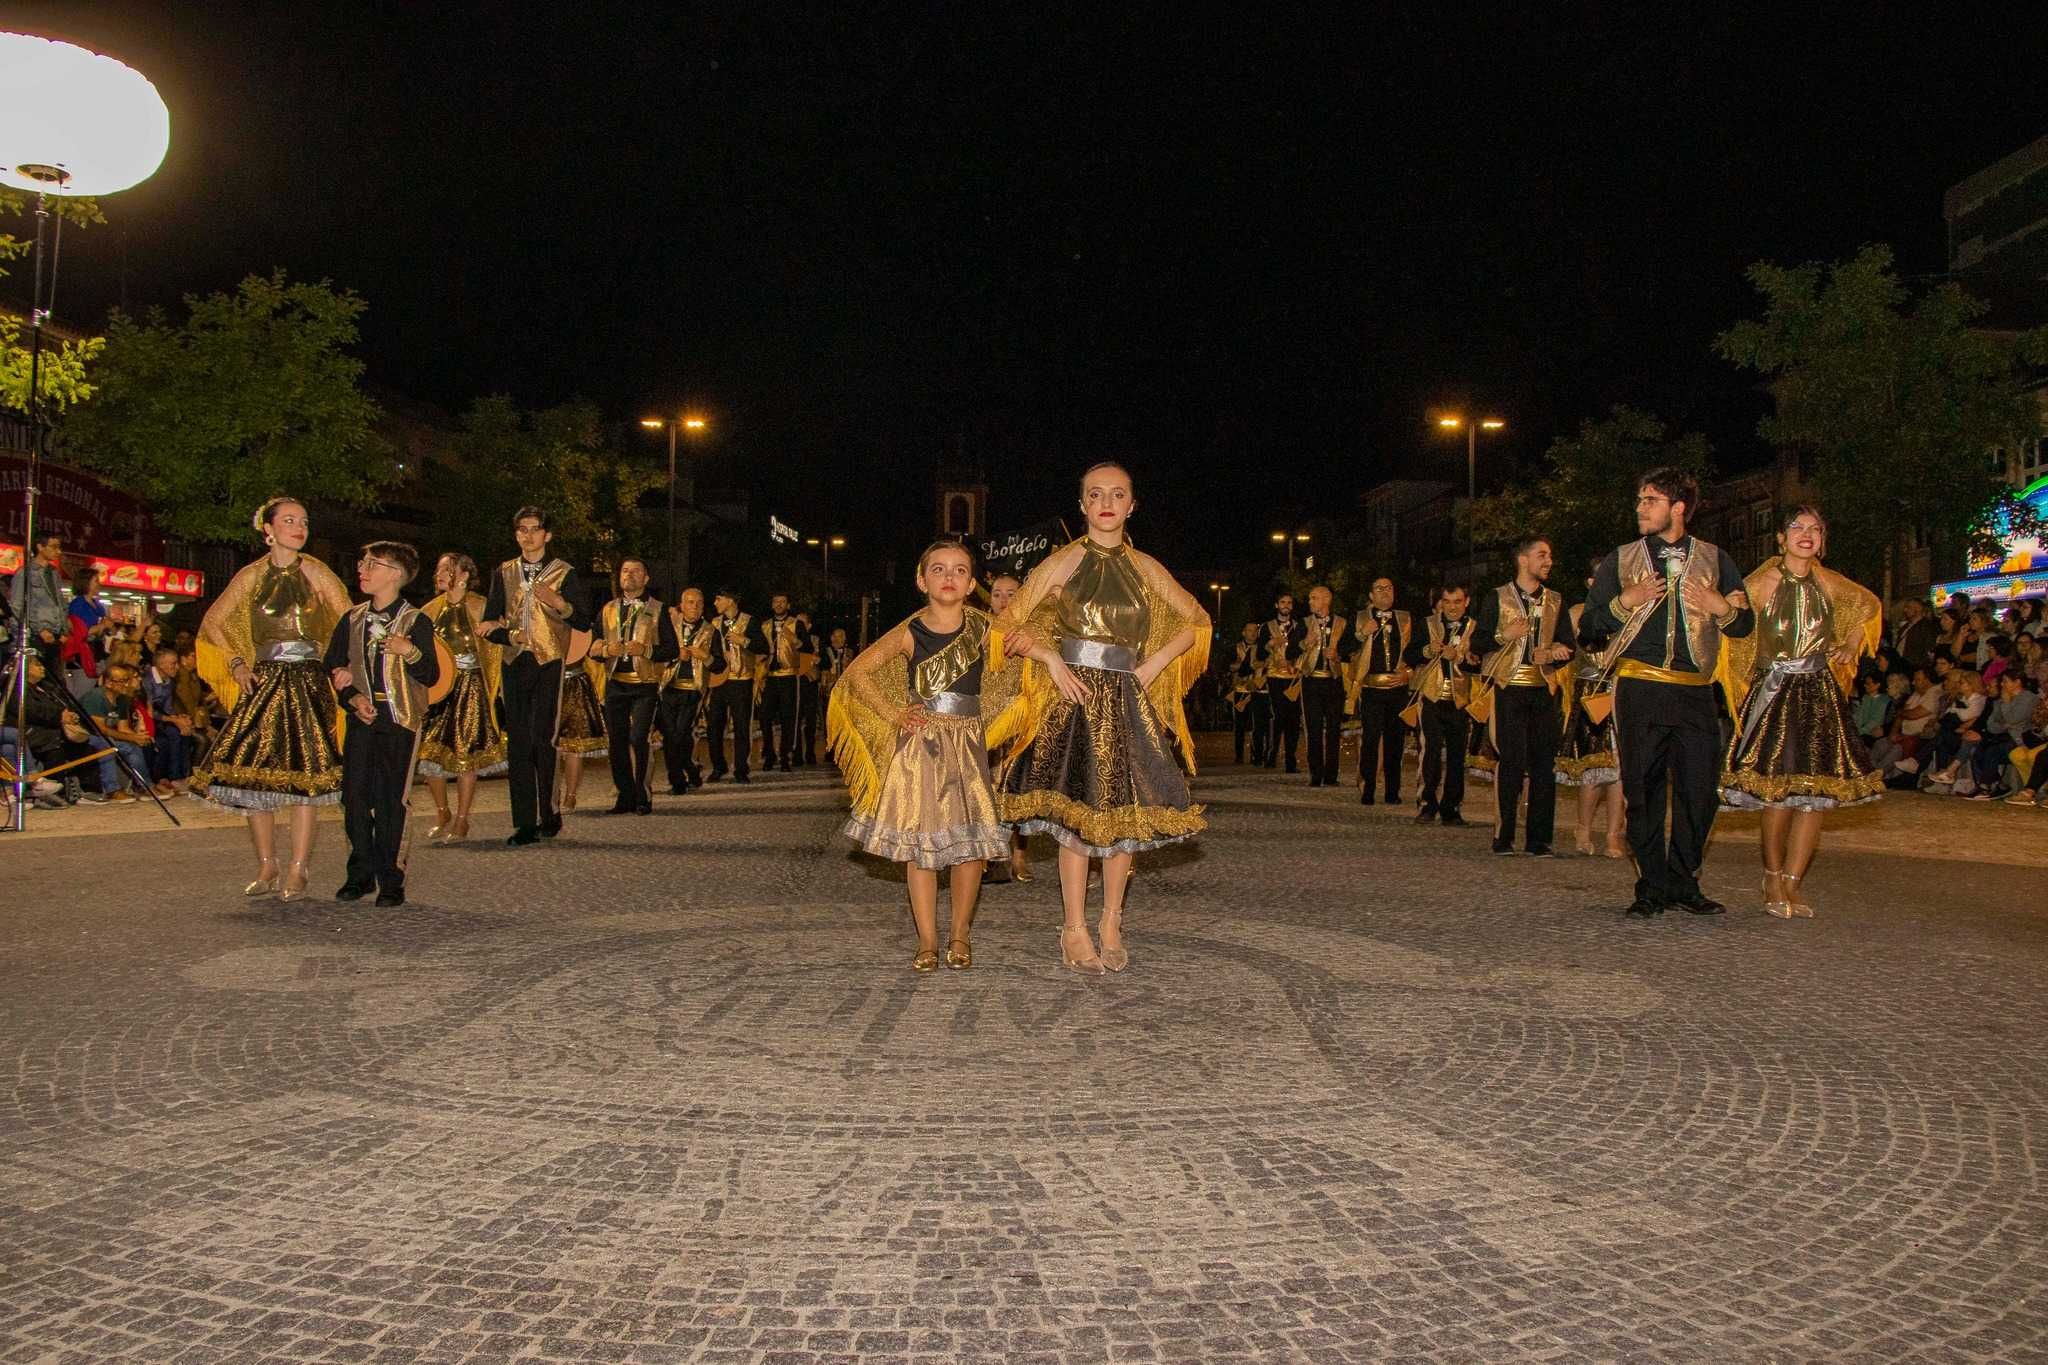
{"x":906,"y":724}
{"x":461,"y":738}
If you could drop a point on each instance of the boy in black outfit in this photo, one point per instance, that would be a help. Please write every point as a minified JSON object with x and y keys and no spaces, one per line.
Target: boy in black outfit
{"x":382,"y":660}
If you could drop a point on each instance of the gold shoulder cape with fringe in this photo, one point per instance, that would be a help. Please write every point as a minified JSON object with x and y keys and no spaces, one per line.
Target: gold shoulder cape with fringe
{"x":860,"y":720}
{"x":227,"y":632}
{"x":1172,"y":609}
{"x":1858,"y":619}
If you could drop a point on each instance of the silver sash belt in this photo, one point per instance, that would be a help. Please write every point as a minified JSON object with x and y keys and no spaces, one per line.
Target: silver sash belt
{"x":466,"y":663}
{"x":1766,"y":691}
{"x":290,"y":652}
{"x":953,"y":704}
{"x":1096,"y":654}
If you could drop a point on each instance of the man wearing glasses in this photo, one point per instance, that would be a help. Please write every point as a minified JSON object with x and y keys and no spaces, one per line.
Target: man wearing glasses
{"x":1672,"y":597}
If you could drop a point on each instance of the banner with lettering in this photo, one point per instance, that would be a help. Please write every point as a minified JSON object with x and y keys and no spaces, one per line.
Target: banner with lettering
{"x":1018,"y":552}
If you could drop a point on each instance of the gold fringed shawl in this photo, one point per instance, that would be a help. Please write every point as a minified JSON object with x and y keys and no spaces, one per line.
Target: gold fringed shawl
{"x":1858,"y":625}
{"x":1171,"y":609}
{"x":229,"y":632}
{"x":860,"y":718}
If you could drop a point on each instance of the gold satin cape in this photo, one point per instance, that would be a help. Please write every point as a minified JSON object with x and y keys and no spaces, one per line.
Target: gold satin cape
{"x":228,"y":633}
{"x":860,"y":719}
{"x":1858,"y":626}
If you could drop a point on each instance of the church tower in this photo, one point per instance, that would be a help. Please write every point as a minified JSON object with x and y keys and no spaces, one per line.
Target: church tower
{"x":962,"y":500}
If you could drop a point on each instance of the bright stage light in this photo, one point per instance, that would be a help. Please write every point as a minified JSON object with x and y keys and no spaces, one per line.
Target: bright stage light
{"x":75,"y":122}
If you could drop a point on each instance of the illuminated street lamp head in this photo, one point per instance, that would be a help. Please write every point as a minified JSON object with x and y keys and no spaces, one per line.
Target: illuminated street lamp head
{"x":1492,"y":424}
{"x":694,"y":424}
{"x":75,"y":122}
{"x":1279,"y":537}
{"x":1450,"y":423}
{"x":838,"y":542}
{"x":1301,"y":535}
{"x":652,"y":423}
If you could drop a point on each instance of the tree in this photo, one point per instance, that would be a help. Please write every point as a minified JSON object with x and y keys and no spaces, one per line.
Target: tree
{"x":558,"y":458}
{"x":64,"y":363}
{"x":1898,"y":400}
{"x":1584,"y":499}
{"x":254,"y":393}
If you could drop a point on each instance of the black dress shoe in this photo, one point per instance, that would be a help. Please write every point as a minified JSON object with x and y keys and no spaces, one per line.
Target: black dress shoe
{"x":391,"y":896}
{"x":1365,"y":798}
{"x":1425,"y":815}
{"x":1453,"y":820}
{"x":1393,"y":798}
{"x":1540,"y":851}
{"x":678,"y":791}
{"x":786,"y":767}
{"x":644,"y":808}
{"x":550,"y":827}
{"x":743,"y":780}
{"x":715,"y":777}
{"x":1293,"y":768}
{"x":1502,"y":850}
{"x":1315,"y":781}
{"x":1646,"y":908}
{"x":522,"y":837}
{"x":1698,"y":904}
{"x":621,"y":808}
{"x":351,"y":892}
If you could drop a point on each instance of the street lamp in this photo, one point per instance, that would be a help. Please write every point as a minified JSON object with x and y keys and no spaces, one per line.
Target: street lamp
{"x":1451,"y":422}
{"x":826,"y":545}
{"x":696,"y":425}
{"x":1290,"y":540}
{"x":72,"y":122}
{"x":1219,"y":589}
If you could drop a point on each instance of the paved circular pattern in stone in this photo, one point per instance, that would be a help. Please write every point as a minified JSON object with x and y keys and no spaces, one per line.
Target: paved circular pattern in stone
{"x":665,"y":1090}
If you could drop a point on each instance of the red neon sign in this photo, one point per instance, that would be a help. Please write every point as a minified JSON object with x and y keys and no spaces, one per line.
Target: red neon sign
{"x":126,"y":575}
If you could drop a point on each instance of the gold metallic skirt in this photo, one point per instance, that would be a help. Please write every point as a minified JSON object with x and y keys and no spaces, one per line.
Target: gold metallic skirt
{"x":461,"y":734}
{"x":1586,"y":758}
{"x":937,"y":808}
{"x":1798,"y":750}
{"x":1103,"y":776}
{"x":581,"y":729}
{"x":277,"y":748}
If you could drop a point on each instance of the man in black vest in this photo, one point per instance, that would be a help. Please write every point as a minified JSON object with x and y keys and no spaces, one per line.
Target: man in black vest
{"x":535,"y":603}
{"x":744,"y":647}
{"x":700,"y":660}
{"x":1382,"y":677}
{"x":1282,"y":646}
{"x":638,"y":643}
{"x":1251,"y":710}
{"x":1443,"y":660}
{"x":1325,"y":651}
{"x":1531,"y":636}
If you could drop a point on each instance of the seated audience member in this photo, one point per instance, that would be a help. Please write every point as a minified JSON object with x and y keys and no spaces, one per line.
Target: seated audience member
{"x":1873,"y":708}
{"x":173,"y":729}
{"x":1957,"y":732}
{"x":2006,"y":718}
{"x":1885,"y":749}
{"x":2025,"y":773}
{"x":117,"y":705}
{"x":2000,"y":648}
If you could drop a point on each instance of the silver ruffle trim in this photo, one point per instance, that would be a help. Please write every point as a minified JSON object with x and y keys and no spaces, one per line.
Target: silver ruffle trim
{"x":1732,"y":799}
{"x":1069,"y":839}
{"x":242,"y":799}
{"x":429,"y":769}
{"x":932,"y":852}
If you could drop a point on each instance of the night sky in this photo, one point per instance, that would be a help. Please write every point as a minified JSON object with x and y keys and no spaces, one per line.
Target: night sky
{"x":1247,"y":249}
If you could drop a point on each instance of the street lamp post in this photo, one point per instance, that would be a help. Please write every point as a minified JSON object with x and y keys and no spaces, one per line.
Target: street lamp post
{"x":1290,"y":540}
{"x":678,"y":557}
{"x":826,"y":545}
{"x":1451,"y":422}
{"x":1219,"y":589}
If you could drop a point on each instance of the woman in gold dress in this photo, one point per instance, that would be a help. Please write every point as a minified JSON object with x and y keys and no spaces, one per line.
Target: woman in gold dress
{"x":461,"y":737}
{"x":1796,"y":753}
{"x":261,"y":646}
{"x":580,"y":731}
{"x":1105,"y":753}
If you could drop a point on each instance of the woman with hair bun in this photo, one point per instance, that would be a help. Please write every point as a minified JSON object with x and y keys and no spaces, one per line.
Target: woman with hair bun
{"x":1796,"y":753}
{"x":261,"y":646}
{"x":461,"y":738}
{"x":1105,"y":755}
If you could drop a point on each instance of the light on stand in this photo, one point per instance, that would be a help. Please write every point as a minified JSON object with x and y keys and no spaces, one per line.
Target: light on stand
{"x":72,"y":122}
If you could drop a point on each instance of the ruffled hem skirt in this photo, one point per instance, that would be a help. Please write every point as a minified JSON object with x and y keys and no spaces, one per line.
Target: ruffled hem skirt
{"x":1103,"y":776}
{"x":1799,"y":750}
{"x":277,"y":748}
{"x":461,"y":735}
{"x":581,"y":729}
{"x":1586,"y":758}
{"x":937,"y":808}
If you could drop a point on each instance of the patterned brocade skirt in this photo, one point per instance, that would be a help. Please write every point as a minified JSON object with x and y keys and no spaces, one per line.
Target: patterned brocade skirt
{"x":1586,"y":758}
{"x":461,"y":734}
{"x":937,"y":808}
{"x":277,"y":748}
{"x":581,"y":728}
{"x":1797,"y":748}
{"x":1103,"y":776}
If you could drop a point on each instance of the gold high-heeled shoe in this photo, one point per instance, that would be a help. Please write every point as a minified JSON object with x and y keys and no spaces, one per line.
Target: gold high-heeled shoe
{"x":263,"y":886}
{"x":1780,"y":908}
{"x":460,"y":830}
{"x":288,"y":892}
{"x":1020,"y":871}
{"x":442,"y":825}
{"x":1585,"y":842}
{"x":959,"y":955}
{"x":1615,"y":850}
{"x":1090,"y":965}
{"x":1115,"y":959}
{"x":927,"y":960}
{"x":1803,"y":909}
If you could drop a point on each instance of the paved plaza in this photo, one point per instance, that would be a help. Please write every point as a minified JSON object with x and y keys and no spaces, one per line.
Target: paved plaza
{"x":665,"y":1090}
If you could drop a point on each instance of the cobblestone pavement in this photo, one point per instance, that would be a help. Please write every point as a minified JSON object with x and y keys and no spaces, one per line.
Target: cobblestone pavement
{"x":664,"y":1090}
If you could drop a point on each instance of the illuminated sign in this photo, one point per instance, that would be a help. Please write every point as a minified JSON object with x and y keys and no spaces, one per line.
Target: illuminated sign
{"x":781,"y":533}
{"x":126,"y":575}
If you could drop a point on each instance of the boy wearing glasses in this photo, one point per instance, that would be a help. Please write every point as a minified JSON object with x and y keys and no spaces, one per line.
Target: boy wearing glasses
{"x":382,"y":660}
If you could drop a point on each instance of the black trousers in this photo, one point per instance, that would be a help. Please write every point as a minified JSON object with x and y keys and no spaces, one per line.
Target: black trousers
{"x":1249,"y":721}
{"x":778,"y":722}
{"x":1381,"y":736}
{"x":533,"y":705}
{"x":679,"y":738}
{"x":629,"y":710}
{"x":736,"y":700}
{"x":1322,"y":706}
{"x":1286,"y":723}
{"x":1667,"y":740}
{"x":1446,"y":730}
{"x":1527,"y":725}
{"x":376,"y":773}
{"x":808,"y":713}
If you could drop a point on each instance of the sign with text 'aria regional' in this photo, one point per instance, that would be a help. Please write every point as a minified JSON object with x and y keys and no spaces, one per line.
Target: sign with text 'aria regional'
{"x":1019,"y":551}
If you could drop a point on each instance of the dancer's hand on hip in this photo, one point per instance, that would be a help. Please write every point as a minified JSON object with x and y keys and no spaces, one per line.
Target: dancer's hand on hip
{"x":1070,"y":686}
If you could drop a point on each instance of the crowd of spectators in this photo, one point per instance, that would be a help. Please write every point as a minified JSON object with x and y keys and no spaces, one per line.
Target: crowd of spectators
{"x":105,"y":668}
{"x":1953,"y":703}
